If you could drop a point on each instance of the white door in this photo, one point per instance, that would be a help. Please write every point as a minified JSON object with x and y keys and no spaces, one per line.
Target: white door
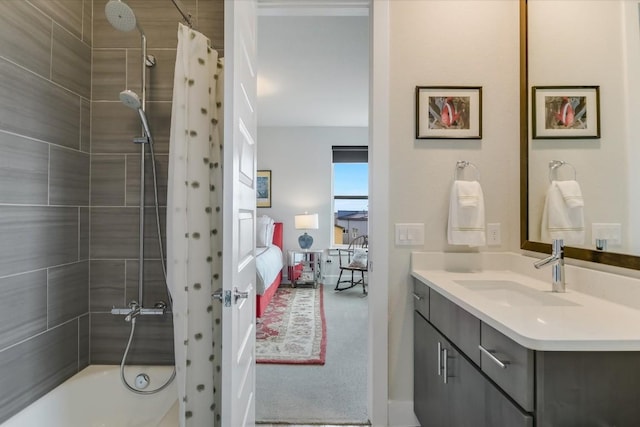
{"x":239,"y":271}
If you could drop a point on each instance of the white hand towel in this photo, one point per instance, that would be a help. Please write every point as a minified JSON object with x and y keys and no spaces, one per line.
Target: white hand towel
{"x":466,"y":214}
{"x":571,"y":193}
{"x":563,"y":216}
{"x":468,"y":193}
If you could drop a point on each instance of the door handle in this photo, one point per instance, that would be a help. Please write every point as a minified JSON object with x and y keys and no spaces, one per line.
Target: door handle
{"x":445,"y":372}
{"x":239,"y":295}
{"x":439,"y":359}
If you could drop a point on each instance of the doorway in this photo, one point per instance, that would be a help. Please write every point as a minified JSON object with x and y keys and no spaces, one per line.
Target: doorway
{"x":310,"y":105}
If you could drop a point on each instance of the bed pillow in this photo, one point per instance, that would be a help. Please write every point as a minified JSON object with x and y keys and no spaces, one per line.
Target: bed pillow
{"x":264,"y":231}
{"x":359,"y":259}
{"x":271,"y":229}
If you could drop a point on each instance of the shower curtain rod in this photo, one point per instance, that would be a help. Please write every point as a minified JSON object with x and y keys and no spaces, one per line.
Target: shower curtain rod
{"x":186,"y":16}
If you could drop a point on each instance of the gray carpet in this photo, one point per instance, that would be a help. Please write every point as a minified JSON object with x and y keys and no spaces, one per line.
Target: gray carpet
{"x":333,"y":393}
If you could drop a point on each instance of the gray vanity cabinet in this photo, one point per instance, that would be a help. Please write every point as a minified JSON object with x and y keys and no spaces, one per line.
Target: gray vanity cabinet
{"x":492,"y":381}
{"x":450,"y":389}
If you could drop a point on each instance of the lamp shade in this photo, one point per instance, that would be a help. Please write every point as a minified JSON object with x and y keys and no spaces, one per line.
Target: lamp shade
{"x":306,"y":221}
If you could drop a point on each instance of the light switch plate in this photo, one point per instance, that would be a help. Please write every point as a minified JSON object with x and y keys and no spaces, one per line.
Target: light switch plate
{"x":409,"y":234}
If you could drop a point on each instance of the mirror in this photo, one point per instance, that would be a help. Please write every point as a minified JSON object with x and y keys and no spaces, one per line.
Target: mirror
{"x":570,"y":43}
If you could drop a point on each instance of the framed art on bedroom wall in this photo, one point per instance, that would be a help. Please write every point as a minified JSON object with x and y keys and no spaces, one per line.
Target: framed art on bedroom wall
{"x":263,"y":189}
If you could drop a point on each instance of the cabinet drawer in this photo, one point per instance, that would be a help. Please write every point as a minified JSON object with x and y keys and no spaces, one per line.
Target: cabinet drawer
{"x":459,"y":326}
{"x":421,"y":298}
{"x":516,"y":378}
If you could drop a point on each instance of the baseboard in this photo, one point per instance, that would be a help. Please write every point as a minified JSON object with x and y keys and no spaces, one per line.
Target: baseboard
{"x":401,"y":414}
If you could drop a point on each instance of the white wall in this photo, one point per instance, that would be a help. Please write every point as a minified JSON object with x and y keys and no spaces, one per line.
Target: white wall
{"x":448,"y":43}
{"x":300,"y":160}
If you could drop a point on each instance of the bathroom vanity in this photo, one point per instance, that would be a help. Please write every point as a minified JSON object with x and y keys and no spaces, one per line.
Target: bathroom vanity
{"x":494,"y":347}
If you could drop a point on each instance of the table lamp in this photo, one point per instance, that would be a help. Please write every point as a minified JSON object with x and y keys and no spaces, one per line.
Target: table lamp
{"x":306,"y":221}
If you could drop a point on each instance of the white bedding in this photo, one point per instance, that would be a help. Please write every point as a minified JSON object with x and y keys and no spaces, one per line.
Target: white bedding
{"x":268,"y":264}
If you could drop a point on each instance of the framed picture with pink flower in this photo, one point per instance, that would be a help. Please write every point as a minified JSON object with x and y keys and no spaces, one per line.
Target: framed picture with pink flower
{"x":565,"y":112}
{"x":448,"y":112}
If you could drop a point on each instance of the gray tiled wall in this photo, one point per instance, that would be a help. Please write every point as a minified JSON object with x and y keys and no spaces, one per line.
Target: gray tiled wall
{"x":115,"y":173}
{"x":69,"y":186}
{"x":45,"y":101}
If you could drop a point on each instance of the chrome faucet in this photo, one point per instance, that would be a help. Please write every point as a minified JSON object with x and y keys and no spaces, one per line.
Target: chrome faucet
{"x":135,"y":311}
{"x":557,"y":265}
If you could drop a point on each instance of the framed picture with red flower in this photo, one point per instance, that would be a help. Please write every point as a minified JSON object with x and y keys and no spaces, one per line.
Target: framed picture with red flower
{"x":565,"y":112}
{"x":448,"y":112}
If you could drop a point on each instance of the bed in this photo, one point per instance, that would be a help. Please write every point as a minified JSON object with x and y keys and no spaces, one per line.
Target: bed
{"x":269,"y":262}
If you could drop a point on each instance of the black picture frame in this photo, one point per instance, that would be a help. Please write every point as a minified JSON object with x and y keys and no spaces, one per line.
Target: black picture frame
{"x":565,"y":112}
{"x":448,"y":112}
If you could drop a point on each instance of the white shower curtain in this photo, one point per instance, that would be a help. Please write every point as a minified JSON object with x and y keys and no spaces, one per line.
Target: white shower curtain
{"x":194,"y":220}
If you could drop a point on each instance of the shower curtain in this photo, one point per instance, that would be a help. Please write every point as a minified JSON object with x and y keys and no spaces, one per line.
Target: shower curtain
{"x":194,"y":220}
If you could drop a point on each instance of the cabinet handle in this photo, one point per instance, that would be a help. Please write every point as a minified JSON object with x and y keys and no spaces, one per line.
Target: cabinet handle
{"x":490,"y":355}
{"x":446,"y":364}
{"x":418,"y":297}
{"x":439,"y":359}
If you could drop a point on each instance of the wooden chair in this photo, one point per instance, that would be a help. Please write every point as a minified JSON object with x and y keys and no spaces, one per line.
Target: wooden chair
{"x":353,"y":260}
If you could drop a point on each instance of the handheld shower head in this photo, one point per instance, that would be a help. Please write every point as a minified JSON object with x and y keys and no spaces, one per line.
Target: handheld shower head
{"x":121,"y":16}
{"x":132,"y":100}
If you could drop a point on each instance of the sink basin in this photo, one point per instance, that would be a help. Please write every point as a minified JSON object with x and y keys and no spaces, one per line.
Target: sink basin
{"x":508,"y":293}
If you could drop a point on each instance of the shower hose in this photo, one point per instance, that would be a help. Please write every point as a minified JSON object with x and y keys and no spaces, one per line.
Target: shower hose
{"x":164,"y":272}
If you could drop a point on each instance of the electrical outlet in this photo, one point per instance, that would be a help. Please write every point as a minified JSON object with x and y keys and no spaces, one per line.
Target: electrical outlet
{"x":493,"y":234}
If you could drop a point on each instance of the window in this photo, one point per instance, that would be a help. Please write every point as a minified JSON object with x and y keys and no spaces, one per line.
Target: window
{"x":350,"y":192}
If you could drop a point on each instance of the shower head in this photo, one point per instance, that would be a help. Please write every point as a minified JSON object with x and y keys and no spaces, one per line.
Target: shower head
{"x":132,"y":100}
{"x":121,"y":16}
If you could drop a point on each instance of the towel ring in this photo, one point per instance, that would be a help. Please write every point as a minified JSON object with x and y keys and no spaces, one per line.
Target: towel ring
{"x":555,"y":164}
{"x":461,"y":164}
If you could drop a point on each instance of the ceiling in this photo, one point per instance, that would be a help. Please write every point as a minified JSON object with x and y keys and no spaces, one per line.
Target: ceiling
{"x":313,"y":63}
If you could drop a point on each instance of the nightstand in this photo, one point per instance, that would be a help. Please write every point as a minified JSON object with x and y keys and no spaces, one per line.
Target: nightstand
{"x":304,"y":267}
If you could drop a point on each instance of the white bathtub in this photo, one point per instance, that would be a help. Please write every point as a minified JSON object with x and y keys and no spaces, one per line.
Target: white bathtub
{"x":95,"y":397}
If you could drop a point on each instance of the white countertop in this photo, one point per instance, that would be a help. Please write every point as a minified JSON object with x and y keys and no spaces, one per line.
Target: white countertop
{"x":581,"y":323}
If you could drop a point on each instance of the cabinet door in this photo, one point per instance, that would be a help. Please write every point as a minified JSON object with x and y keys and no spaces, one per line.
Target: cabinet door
{"x":466,"y":388}
{"x":429,"y":400}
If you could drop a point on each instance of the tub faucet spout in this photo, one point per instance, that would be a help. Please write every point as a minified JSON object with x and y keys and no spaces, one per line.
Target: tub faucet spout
{"x":556,"y":260}
{"x":135,"y":312}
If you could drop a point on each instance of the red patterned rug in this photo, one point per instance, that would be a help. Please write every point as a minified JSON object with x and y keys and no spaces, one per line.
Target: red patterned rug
{"x":293,"y":328}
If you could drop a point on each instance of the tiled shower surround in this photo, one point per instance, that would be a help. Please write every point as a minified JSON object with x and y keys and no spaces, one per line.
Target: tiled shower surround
{"x":69,"y":186}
